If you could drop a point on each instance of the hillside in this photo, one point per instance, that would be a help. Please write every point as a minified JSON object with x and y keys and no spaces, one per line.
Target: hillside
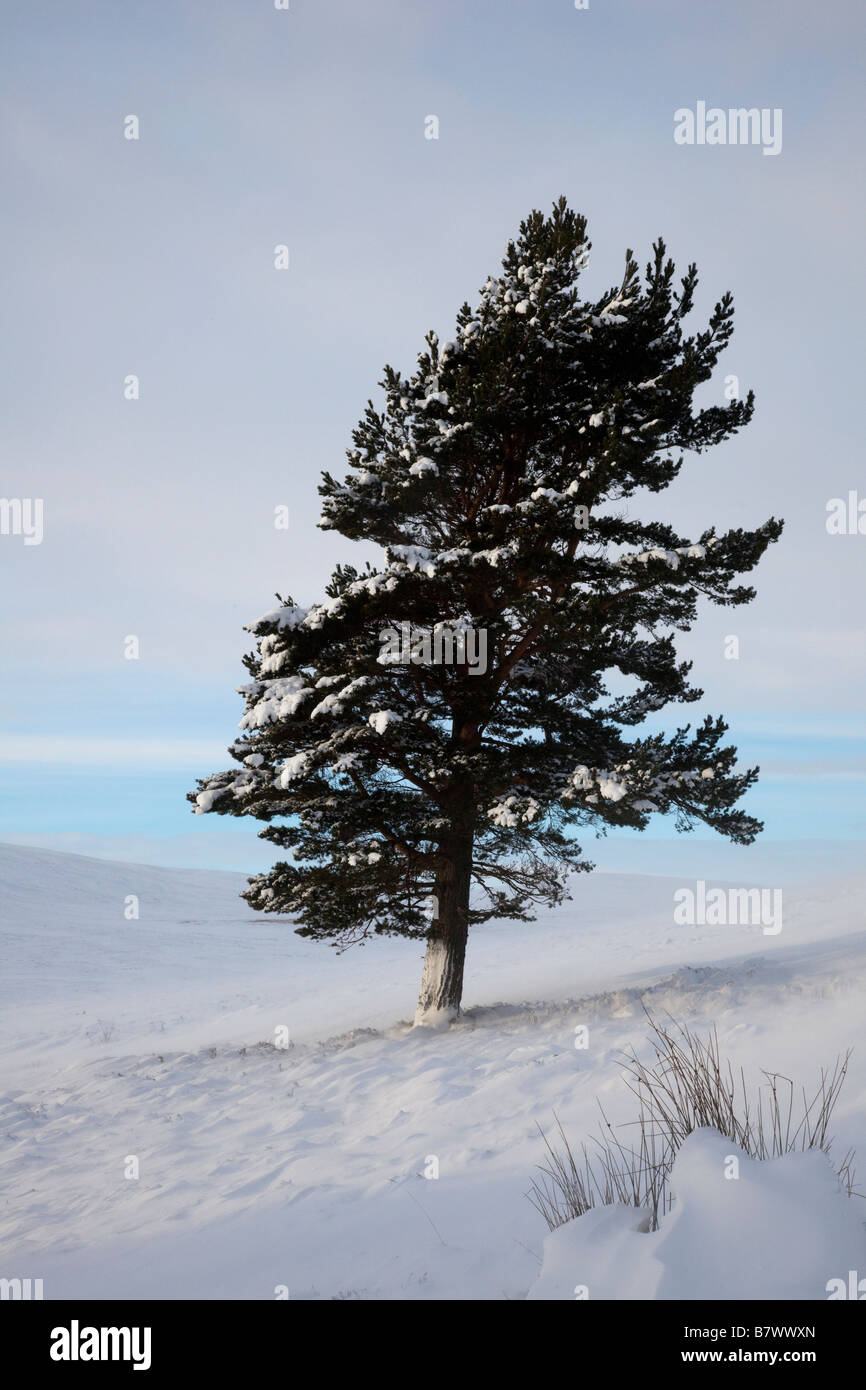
{"x":261,"y":1167}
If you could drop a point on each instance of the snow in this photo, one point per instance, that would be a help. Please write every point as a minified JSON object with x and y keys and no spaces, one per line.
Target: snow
{"x":293,"y":768}
{"x":780,"y":1228}
{"x":274,"y":700}
{"x":381,"y":718}
{"x":512,"y":810}
{"x":613,"y":787}
{"x":289,"y":615}
{"x":670,"y":557}
{"x":415,"y":557}
{"x":262,"y":1166}
{"x":336,"y":702}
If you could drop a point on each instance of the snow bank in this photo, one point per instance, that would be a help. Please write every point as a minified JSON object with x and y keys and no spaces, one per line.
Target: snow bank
{"x":780,"y":1229}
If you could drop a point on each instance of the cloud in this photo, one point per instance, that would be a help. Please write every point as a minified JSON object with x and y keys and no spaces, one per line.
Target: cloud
{"x":87,"y":751}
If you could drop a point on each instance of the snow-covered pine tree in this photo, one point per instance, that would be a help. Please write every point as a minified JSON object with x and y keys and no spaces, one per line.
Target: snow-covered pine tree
{"x":501,"y":480}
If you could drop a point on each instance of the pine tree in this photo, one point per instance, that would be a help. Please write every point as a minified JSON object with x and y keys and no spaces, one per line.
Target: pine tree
{"x":501,"y":480}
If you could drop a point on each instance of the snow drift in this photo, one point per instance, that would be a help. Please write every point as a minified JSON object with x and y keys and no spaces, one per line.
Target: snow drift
{"x":773,"y":1229}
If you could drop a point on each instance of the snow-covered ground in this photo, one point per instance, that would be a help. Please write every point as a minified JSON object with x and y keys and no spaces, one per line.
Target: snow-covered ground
{"x":261,"y":1167}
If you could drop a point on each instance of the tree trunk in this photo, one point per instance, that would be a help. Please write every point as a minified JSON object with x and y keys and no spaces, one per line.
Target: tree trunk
{"x":442,"y":980}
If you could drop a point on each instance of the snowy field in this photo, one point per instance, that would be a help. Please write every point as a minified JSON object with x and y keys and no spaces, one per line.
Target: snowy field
{"x":304,"y":1167}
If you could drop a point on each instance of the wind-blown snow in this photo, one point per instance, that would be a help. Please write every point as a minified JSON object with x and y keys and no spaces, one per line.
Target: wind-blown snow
{"x":304,"y":1167}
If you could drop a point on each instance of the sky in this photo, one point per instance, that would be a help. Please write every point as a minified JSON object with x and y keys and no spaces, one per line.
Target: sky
{"x":306,"y":128}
